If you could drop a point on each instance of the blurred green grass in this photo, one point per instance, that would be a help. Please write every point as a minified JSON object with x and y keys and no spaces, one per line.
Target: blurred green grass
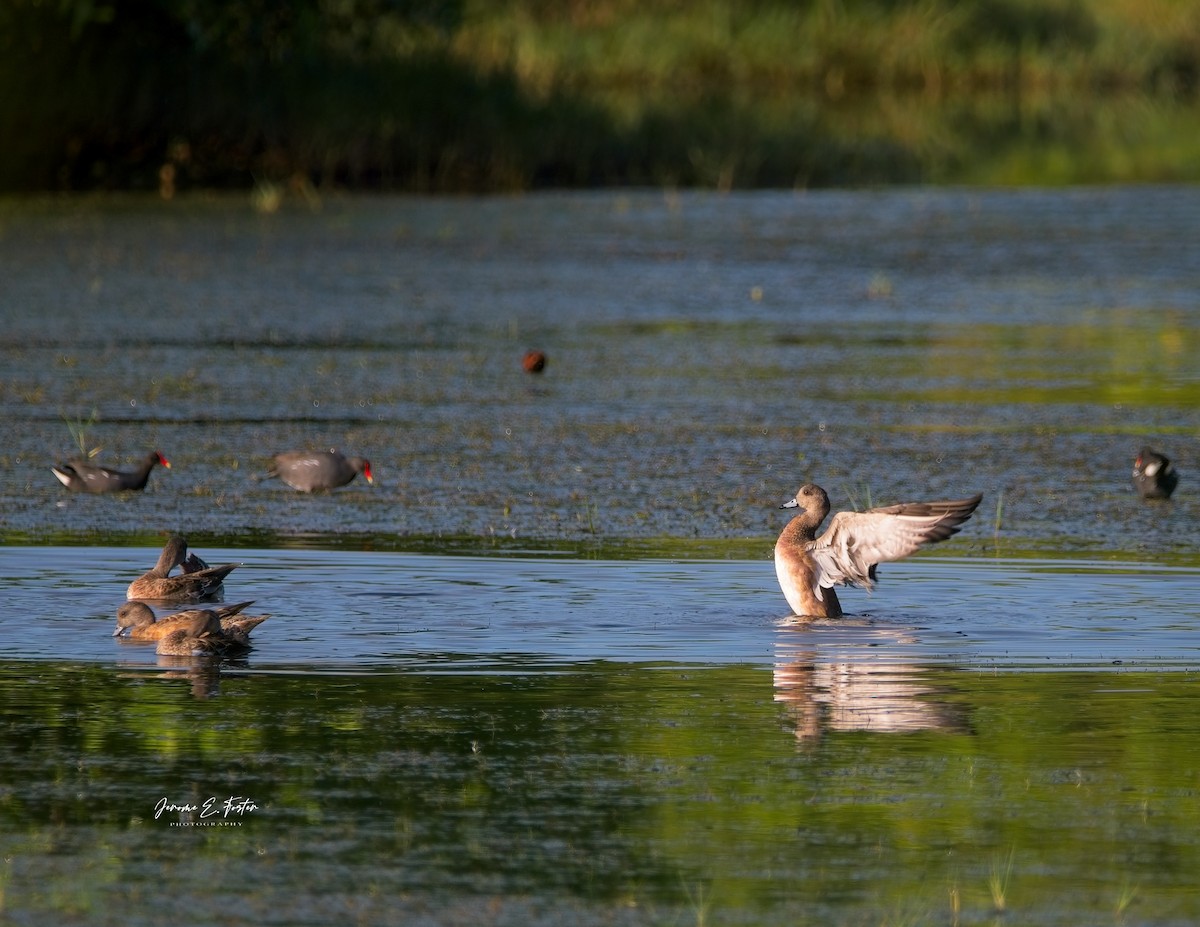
{"x":466,"y":96}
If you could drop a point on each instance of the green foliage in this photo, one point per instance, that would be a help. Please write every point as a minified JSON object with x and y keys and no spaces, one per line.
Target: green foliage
{"x":455,"y":95}
{"x":79,"y":434}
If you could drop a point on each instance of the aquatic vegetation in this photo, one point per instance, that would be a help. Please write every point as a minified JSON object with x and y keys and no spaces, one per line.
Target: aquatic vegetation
{"x":1125,"y":897}
{"x":690,"y":409}
{"x":589,"y":514}
{"x":267,"y":196}
{"x":998,"y":877}
{"x":78,"y":429}
{"x":602,"y":791}
{"x":860,"y":497}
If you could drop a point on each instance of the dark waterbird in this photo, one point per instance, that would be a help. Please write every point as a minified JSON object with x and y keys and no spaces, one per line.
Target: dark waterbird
{"x":1154,"y":476}
{"x":848,"y":551}
{"x":80,"y":476}
{"x":313,"y":471}
{"x":198,"y":581}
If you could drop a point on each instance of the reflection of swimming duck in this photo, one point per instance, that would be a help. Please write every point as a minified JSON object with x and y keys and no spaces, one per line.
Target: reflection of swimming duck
{"x":197,"y":583}
{"x":312,"y":471}
{"x":203,"y":675}
{"x":80,"y":476}
{"x":138,"y":620}
{"x":1154,"y":476}
{"x":848,"y":551}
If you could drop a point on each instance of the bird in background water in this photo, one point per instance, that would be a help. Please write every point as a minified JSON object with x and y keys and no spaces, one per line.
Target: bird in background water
{"x":314,"y":471}
{"x":1154,"y":476}
{"x":80,"y":476}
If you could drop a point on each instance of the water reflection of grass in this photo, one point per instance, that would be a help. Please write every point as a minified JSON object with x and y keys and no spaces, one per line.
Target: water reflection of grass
{"x":998,"y":878}
{"x":1125,"y":896}
{"x":676,"y":790}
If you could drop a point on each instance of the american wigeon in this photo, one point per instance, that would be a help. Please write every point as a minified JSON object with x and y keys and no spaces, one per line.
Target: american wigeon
{"x":200,"y":636}
{"x":80,"y":476}
{"x":137,"y":621}
{"x":1154,"y":476}
{"x":156,"y":585}
{"x":847,"y":552}
{"x":312,"y":471}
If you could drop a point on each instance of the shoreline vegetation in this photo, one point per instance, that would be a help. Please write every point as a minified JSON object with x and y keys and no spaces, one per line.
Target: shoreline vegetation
{"x":465,"y":96}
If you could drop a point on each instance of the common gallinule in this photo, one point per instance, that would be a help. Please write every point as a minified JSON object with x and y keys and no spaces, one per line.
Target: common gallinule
{"x":156,"y":585}
{"x":847,"y":552}
{"x":81,"y":476}
{"x":136,"y":620}
{"x":1154,"y":476}
{"x":313,"y":471}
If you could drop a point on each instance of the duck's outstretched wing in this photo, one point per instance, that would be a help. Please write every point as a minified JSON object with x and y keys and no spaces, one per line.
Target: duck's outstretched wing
{"x":855,"y":542}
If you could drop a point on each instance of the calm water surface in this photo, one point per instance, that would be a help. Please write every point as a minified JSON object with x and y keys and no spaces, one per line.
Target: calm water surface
{"x":337,"y":611}
{"x":541,"y":672}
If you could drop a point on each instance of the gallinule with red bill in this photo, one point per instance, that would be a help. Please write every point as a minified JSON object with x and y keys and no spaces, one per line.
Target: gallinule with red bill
{"x":80,"y":476}
{"x":314,"y":471}
{"x":1154,"y":476}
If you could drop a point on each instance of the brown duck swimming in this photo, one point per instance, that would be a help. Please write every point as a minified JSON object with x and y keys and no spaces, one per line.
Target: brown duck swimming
{"x":201,"y":636}
{"x":137,"y":619}
{"x":847,"y":552}
{"x":201,"y":583}
{"x":80,"y":476}
{"x":313,"y":471}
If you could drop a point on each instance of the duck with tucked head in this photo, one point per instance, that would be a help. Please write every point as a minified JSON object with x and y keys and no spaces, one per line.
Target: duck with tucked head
{"x":197,"y":583}
{"x":136,"y":620}
{"x":1154,"y":476}
{"x":848,"y":551}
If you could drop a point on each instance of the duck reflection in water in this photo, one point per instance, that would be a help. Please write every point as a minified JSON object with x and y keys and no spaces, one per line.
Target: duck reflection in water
{"x":203,"y":674}
{"x":200,"y":652}
{"x":825,"y":695}
{"x":194,"y":644}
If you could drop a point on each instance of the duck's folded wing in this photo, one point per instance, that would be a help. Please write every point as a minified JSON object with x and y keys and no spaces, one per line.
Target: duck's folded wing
{"x":855,"y":541}
{"x":193,"y":564}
